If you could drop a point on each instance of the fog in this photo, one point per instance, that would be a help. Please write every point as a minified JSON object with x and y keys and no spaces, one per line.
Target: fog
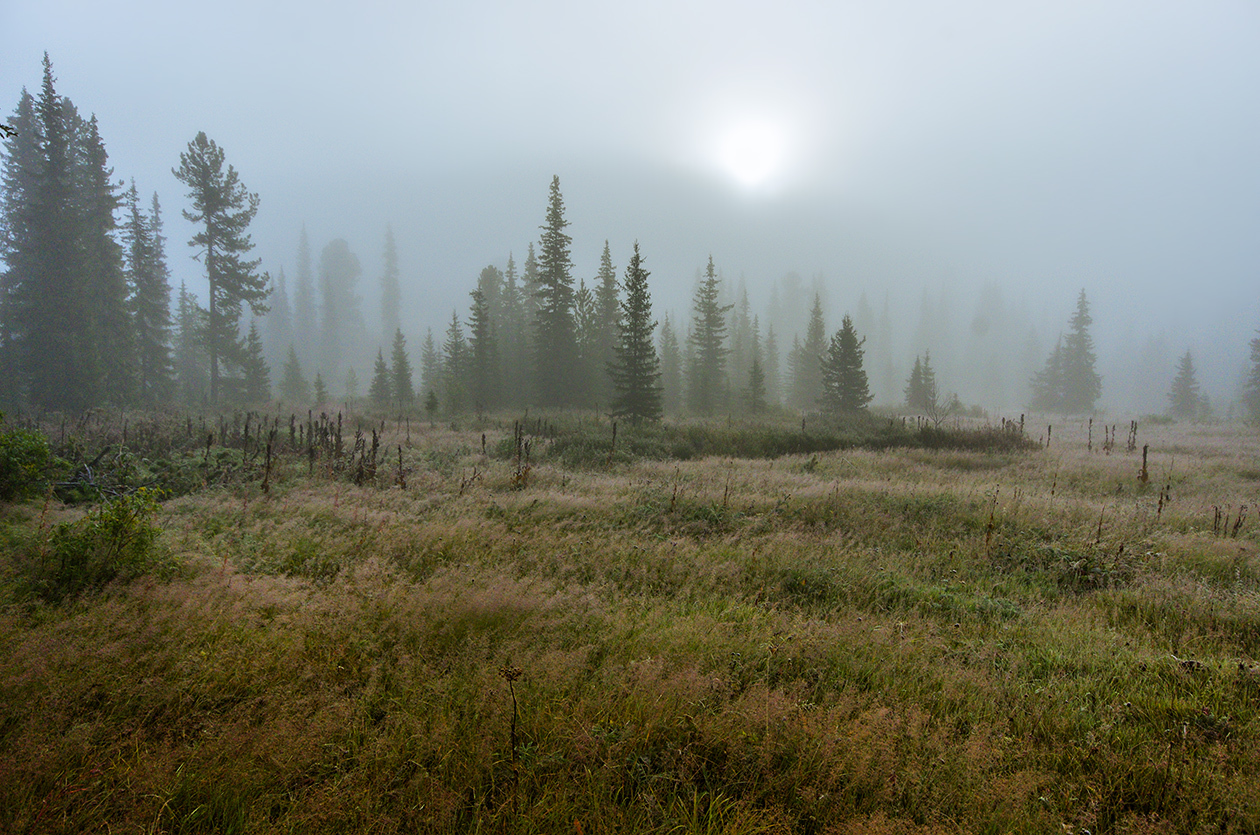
{"x":965,"y":168}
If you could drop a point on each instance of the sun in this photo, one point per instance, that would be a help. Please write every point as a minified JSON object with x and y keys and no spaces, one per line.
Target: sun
{"x":752,"y":152}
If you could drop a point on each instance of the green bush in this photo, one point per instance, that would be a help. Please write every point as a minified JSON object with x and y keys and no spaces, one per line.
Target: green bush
{"x":24,"y":458}
{"x":113,"y":542}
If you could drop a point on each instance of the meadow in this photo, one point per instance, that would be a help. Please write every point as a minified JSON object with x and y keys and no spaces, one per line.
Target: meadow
{"x":528,"y":626}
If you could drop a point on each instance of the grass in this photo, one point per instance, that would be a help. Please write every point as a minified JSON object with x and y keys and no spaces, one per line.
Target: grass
{"x":908,"y":638}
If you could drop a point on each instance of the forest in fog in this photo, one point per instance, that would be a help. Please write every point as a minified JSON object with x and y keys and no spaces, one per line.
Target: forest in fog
{"x":89,"y":317}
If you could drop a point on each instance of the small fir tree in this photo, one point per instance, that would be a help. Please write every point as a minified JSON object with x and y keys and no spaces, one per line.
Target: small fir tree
{"x":400,"y":386}
{"x":708,"y":344}
{"x":256,"y":376}
{"x":845,"y":388}
{"x":1184,"y":401}
{"x":352,"y":385}
{"x":319,"y":390}
{"x":293,"y":385}
{"x":380,"y":391}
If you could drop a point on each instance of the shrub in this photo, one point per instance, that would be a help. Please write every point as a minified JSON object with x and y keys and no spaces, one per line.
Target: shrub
{"x":24,"y":457}
{"x":113,"y":542}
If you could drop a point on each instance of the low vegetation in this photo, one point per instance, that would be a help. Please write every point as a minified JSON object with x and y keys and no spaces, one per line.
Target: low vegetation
{"x":344,"y":624}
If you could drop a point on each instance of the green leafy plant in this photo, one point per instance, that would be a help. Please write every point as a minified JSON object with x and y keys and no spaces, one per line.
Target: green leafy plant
{"x":24,"y":458}
{"x":113,"y":542}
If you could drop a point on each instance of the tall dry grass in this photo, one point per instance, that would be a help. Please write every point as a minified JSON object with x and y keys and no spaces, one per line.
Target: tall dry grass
{"x":896,"y":641}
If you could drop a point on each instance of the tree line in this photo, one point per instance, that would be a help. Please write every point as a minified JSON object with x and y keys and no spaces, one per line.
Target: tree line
{"x":87,"y":316}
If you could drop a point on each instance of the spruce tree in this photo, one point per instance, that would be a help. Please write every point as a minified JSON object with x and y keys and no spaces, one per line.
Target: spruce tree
{"x":590,"y":372}
{"x":636,"y":371}
{"x":400,"y":385}
{"x":671,"y":369}
{"x":391,"y":293}
{"x":63,"y":278}
{"x":914,"y":386}
{"x":190,"y":358}
{"x":278,"y":331}
{"x":608,"y":321}
{"x":147,"y":273}
{"x":455,"y":367}
{"x":305,"y":307}
{"x":1082,"y":384}
{"x":706,"y":383}
{"x":844,"y":383}
{"x":483,"y":359}
{"x":807,"y":381}
{"x":756,"y":394}
{"x":381,"y":392}
{"x":293,"y":385}
{"x":224,"y":208}
{"x":1184,"y":401}
{"x":351,"y":386}
{"x":109,"y":320}
{"x":342,"y":330}
{"x":430,"y":365}
{"x":1047,"y":384}
{"x":513,"y":339}
{"x":1251,"y":389}
{"x":920,"y":389}
{"x":319,"y":390}
{"x":555,"y":346}
{"x":770,"y":361}
{"x":256,"y":375}
{"x":18,"y":190}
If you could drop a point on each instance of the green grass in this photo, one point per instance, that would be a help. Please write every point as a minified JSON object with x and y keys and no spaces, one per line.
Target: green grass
{"x":891,"y":639}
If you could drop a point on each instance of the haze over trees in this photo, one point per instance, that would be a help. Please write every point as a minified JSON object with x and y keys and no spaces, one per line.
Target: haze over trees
{"x":88,"y":316}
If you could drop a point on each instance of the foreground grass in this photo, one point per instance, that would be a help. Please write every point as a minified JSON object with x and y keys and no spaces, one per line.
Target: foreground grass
{"x":908,"y":640}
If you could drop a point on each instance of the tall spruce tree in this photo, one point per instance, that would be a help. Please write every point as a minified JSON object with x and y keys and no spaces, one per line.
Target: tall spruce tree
{"x":110,"y":321}
{"x":64,"y":295}
{"x":844,"y":383}
{"x":636,"y":371}
{"x":148,"y":275}
{"x":305,"y":306}
{"x":224,"y":208}
{"x":401,"y":388}
{"x":707,"y":380}
{"x":555,"y":346}
{"x":342,"y":329}
{"x":17,"y":195}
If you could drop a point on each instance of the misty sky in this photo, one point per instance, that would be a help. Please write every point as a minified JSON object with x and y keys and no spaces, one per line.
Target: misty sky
{"x":887,"y":146}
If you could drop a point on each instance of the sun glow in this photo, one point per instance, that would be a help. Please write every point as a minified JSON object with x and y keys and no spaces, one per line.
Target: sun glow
{"x":752,"y":152}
